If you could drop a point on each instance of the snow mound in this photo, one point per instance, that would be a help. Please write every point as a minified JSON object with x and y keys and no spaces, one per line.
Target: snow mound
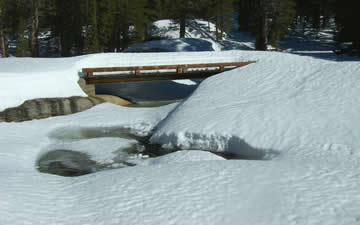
{"x":283,"y":102}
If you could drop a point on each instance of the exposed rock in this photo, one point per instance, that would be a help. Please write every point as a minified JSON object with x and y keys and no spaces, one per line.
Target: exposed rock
{"x":48,"y":107}
{"x":89,"y":89}
{"x":114,"y":100}
{"x":66,"y":163}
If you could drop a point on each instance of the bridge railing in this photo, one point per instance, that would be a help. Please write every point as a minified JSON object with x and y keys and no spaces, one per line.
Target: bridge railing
{"x":160,"y":72}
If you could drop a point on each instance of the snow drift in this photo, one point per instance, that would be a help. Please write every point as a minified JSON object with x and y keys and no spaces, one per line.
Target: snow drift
{"x":283,"y":102}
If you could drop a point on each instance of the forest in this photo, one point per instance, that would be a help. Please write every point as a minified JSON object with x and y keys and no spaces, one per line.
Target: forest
{"x":89,"y":26}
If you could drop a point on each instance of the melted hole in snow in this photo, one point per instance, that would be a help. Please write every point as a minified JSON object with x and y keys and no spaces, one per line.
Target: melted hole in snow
{"x":71,"y":164}
{"x":65,"y":162}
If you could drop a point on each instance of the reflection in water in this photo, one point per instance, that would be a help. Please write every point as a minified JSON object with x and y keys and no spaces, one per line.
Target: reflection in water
{"x":150,"y":104}
{"x":148,"y":91}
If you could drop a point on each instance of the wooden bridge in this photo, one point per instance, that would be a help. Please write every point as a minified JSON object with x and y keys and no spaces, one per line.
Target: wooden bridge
{"x":104,"y":75}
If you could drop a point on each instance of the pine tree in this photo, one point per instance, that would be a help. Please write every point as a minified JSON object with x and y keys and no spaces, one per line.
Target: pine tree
{"x":68,"y":25}
{"x":261,"y":24}
{"x":19,"y":28}
{"x":245,"y":9}
{"x":91,"y":43}
{"x":138,"y":20}
{"x":3,"y":36}
{"x":180,"y":11}
{"x":347,"y":18}
{"x":267,"y":19}
{"x":106,"y":24}
{"x":222,"y":14}
{"x":282,"y":17}
{"x":34,"y":8}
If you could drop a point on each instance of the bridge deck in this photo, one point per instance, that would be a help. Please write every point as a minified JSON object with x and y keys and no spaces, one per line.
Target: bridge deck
{"x":157,"y":73}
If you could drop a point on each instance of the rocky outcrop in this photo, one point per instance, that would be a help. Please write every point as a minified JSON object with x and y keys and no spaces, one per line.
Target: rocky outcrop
{"x":48,"y":107}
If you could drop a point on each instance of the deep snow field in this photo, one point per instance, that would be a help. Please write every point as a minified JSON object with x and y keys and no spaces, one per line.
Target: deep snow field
{"x":294,"y":118}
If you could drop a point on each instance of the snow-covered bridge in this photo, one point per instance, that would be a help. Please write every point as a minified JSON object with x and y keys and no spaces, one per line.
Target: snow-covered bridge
{"x":156,"y":73}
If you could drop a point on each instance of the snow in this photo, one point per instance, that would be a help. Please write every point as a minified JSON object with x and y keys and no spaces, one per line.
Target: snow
{"x":199,"y":29}
{"x":176,"y":45}
{"x":283,"y":102}
{"x":295,"y":118}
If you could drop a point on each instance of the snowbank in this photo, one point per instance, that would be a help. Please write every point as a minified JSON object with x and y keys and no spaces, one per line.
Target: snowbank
{"x":282,"y":103}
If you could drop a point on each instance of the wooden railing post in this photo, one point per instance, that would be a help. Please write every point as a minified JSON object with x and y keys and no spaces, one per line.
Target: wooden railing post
{"x":179,"y":70}
{"x":137,"y":72}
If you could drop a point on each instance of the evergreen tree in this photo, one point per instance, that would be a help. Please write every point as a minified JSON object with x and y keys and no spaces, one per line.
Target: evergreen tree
{"x":34,"y":8}
{"x":282,"y":17}
{"x":3,"y":30}
{"x":222,"y":13}
{"x":91,"y":44}
{"x":269,"y":20}
{"x":68,"y":25}
{"x":245,"y":9}
{"x":106,"y":24}
{"x":314,"y":13}
{"x":347,"y":18}
{"x":138,"y":19}
{"x":19,"y":28}
{"x":180,"y":11}
{"x":261,"y":24}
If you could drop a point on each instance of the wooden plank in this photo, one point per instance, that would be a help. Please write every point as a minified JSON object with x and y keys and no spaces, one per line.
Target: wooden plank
{"x":165,"y":67}
{"x":150,"y":77}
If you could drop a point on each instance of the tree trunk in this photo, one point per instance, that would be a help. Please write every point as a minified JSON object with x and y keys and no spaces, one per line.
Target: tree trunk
{"x":182,"y":26}
{"x":20,"y":40}
{"x":34,"y":29}
{"x":3,"y":44}
{"x":217,"y":29}
{"x":262,"y":27}
{"x":244,"y":16}
{"x":222,"y":28}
